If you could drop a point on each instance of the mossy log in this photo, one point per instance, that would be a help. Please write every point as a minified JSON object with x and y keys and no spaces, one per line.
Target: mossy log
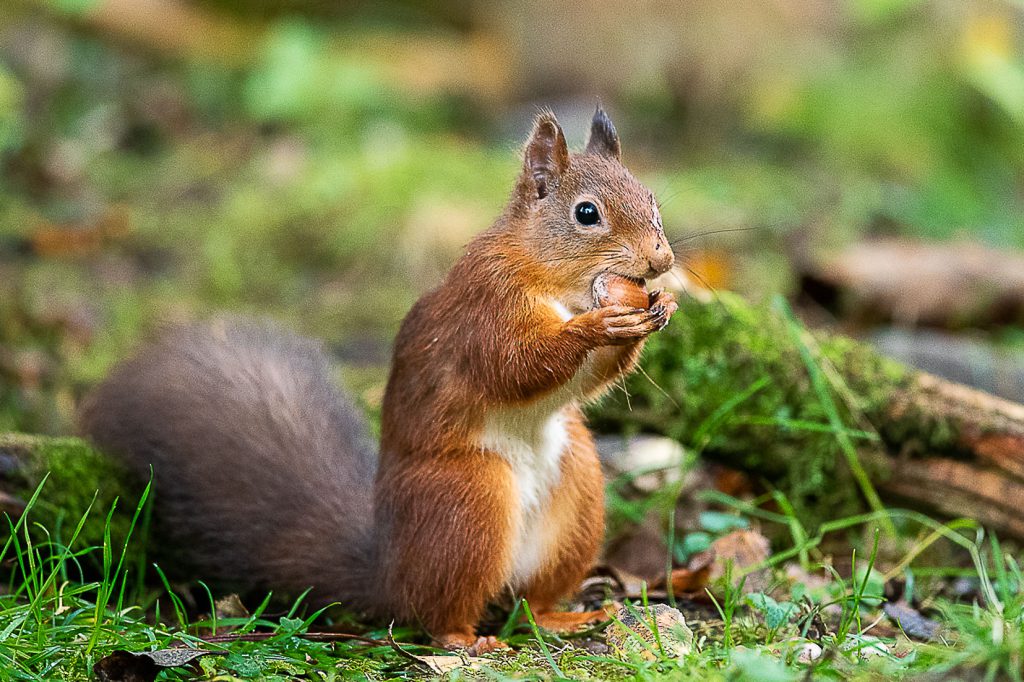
{"x":749,"y":387}
{"x":73,"y":481}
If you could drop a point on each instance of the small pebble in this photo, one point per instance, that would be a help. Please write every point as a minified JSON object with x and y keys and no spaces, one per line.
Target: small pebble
{"x":805,"y":651}
{"x":808,"y":652}
{"x":630,"y":635}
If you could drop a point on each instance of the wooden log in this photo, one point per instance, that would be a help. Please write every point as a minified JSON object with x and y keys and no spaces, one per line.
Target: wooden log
{"x":736,"y":382}
{"x":981,"y":474}
{"x":879,"y":280}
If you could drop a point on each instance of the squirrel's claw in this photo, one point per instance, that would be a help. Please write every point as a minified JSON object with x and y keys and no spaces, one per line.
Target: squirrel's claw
{"x":485,"y":645}
{"x":471,"y":644}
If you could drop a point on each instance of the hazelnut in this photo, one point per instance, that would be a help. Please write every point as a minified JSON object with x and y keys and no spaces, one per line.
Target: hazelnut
{"x":612,"y":289}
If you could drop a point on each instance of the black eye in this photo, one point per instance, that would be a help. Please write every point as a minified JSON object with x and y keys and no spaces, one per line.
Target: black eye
{"x":586,"y":213}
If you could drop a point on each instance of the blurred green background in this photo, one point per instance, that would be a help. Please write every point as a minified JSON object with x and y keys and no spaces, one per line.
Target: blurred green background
{"x":324,"y":162}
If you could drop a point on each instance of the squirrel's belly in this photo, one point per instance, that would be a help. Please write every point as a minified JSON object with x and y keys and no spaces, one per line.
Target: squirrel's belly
{"x":532,"y":443}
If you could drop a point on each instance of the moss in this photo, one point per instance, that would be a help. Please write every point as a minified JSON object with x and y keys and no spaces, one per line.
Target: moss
{"x":727,"y":379}
{"x":75,"y":474}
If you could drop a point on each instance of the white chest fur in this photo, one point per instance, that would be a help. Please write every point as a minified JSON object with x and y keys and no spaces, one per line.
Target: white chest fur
{"x":532,"y":441}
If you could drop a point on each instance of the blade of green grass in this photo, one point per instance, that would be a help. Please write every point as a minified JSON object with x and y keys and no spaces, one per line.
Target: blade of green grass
{"x":819,"y":383}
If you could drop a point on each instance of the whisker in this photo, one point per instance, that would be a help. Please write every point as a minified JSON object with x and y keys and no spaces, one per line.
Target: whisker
{"x":655,"y":384}
{"x":684,"y":289}
{"x":581,"y":256}
{"x":620,"y":384}
{"x":623,"y":245}
{"x":682,"y":284}
{"x":708,"y":233}
{"x":661,"y":202}
{"x":699,"y":278}
{"x":706,"y":285}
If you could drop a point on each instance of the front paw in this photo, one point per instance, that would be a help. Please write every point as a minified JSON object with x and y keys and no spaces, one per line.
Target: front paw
{"x":620,"y":325}
{"x":663,"y":305}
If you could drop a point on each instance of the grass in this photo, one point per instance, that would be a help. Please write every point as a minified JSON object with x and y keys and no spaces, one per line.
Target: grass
{"x":68,"y":604}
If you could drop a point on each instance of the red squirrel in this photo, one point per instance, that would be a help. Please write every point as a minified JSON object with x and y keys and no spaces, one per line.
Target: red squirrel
{"x":487,"y":480}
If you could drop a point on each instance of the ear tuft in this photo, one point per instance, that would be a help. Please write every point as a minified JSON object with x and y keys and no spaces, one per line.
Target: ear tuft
{"x":603,"y":138}
{"x":547,"y":155}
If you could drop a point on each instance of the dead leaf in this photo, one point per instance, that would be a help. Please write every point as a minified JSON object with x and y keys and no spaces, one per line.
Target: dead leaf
{"x":743,"y":548}
{"x":11,"y":505}
{"x":639,"y":552}
{"x":144,"y":666}
{"x":630,"y":586}
{"x":230,"y":606}
{"x":732,"y":481}
{"x":441,"y":665}
{"x":76,"y":239}
{"x":695,"y":577}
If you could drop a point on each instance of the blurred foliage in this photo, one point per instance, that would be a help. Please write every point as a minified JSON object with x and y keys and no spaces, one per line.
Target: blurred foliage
{"x":324,"y":165}
{"x":921,"y":137}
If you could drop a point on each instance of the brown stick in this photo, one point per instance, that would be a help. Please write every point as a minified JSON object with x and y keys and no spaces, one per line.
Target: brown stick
{"x":990,"y":428}
{"x":987,"y":481}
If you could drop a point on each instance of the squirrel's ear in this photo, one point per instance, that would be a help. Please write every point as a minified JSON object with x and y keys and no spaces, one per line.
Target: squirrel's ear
{"x":547,"y":155}
{"x":603,"y":138}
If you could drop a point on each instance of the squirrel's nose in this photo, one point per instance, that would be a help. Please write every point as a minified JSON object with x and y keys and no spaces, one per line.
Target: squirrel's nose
{"x":661,"y":260}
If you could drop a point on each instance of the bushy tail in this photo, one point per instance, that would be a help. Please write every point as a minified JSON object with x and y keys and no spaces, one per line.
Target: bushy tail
{"x":263,"y":469}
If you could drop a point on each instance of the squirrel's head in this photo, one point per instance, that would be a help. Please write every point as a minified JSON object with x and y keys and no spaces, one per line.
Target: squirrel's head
{"x":586,"y":214}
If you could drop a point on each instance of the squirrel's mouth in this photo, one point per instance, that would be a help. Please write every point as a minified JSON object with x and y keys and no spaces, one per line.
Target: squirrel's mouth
{"x":639,"y":281}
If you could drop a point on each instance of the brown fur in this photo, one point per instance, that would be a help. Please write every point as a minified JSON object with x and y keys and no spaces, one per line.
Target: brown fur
{"x":260,"y":483}
{"x":488,"y":339}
